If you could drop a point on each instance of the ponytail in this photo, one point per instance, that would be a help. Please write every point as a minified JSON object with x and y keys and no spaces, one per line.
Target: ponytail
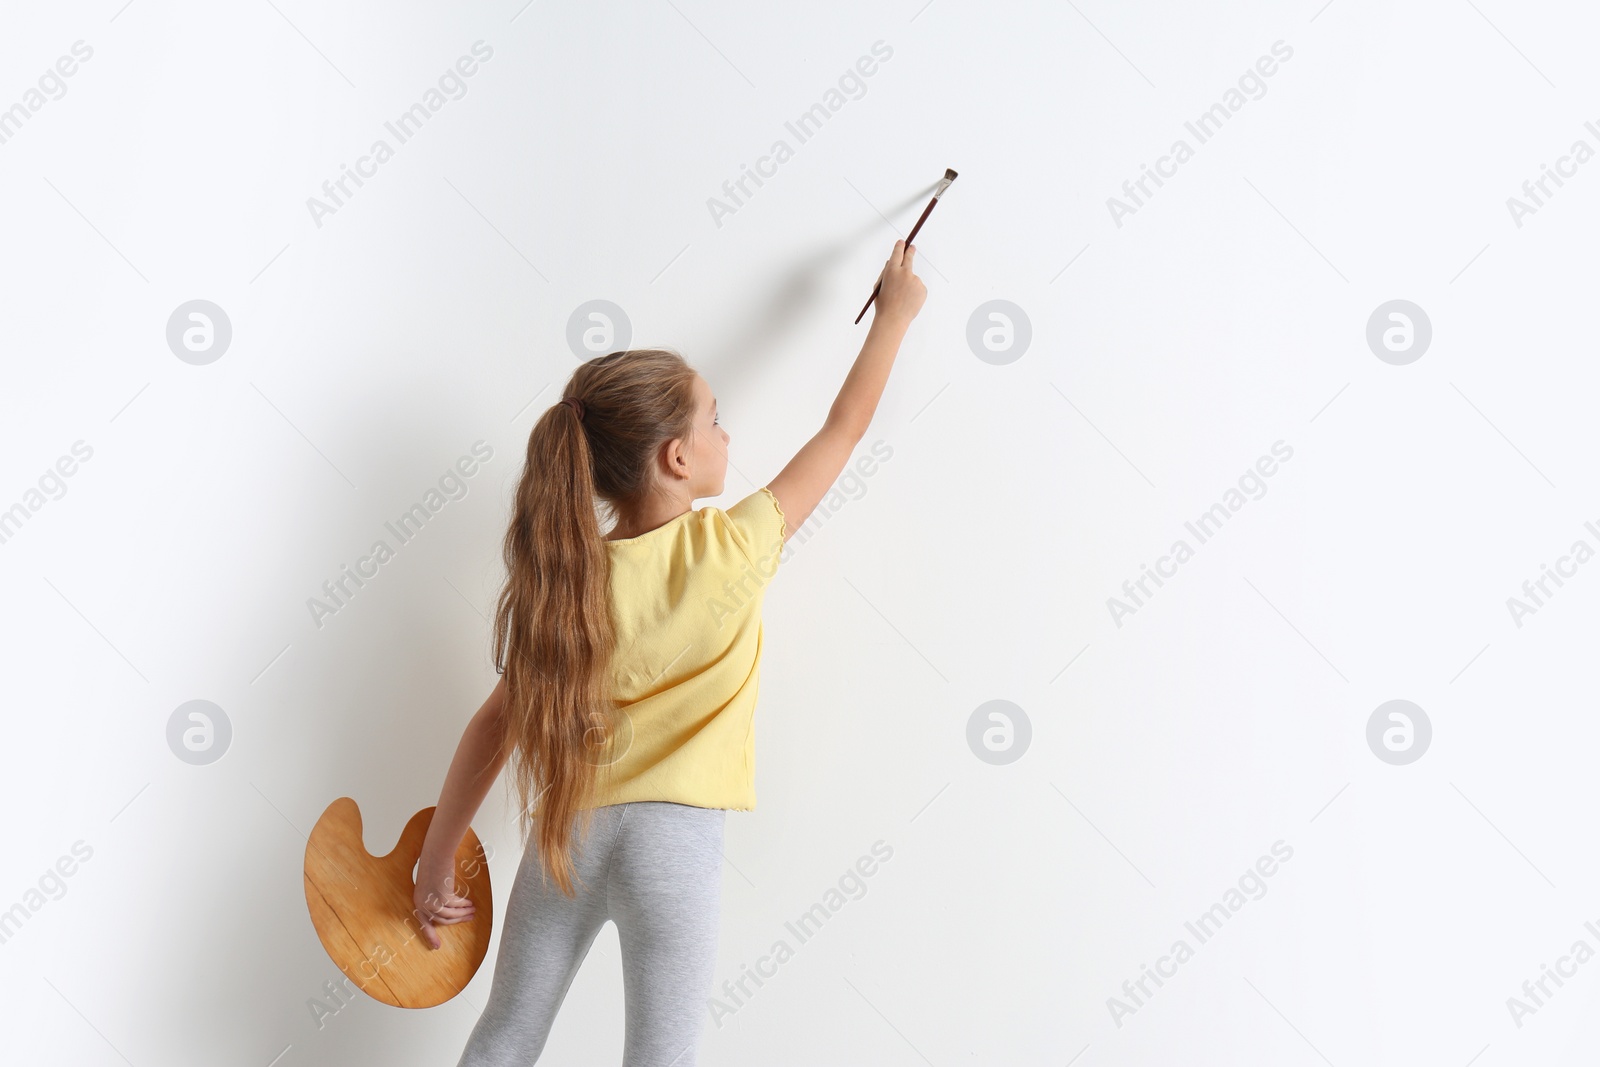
{"x":553,"y":631}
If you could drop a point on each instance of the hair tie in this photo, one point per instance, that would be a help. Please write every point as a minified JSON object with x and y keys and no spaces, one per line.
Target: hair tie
{"x":575,"y":404}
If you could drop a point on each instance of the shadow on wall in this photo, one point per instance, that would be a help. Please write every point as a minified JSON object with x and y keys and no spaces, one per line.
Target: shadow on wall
{"x":729,"y":363}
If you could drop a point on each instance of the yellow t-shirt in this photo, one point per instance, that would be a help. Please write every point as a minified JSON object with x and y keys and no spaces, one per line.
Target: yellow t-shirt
{"x":686,"y":600}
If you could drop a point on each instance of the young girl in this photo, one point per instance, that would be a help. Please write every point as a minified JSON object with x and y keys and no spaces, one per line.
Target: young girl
{"x":629,"y":672}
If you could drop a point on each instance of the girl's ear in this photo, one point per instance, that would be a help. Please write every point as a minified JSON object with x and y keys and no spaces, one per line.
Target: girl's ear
{"x":677,"y":456}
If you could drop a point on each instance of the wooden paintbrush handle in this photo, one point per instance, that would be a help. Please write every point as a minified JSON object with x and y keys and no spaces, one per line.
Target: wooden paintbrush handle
{"x":924,"y":218}
{"x":870,"y":299}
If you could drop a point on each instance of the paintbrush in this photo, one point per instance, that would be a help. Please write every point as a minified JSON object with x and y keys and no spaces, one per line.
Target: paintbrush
{"x":944,"y":183}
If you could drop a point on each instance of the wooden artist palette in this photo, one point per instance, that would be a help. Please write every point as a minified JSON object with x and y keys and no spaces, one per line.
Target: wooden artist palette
{"x":361,"y":906}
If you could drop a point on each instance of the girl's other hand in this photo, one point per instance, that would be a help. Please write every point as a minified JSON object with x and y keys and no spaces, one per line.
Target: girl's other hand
{"x":435,"y":903}
{"x":902,"y":292}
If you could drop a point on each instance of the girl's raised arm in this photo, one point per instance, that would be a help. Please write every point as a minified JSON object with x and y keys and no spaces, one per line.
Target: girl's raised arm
{"x":801,"y":485}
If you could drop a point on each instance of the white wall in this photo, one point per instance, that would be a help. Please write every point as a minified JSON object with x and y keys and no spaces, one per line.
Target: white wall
{"x":1171,"y":348}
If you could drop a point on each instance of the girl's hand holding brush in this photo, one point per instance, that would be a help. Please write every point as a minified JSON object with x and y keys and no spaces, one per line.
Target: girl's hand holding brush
{"x":938,"y":190}
{"x":900,"y":292}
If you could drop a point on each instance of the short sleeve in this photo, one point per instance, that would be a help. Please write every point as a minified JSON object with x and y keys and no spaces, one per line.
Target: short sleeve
{"x":758,"y":526}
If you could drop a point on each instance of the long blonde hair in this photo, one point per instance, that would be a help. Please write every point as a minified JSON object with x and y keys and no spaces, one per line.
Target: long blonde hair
{"x":553,"y":631}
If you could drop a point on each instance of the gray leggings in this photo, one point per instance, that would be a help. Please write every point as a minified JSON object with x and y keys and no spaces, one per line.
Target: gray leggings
{"x":655,"y":868}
